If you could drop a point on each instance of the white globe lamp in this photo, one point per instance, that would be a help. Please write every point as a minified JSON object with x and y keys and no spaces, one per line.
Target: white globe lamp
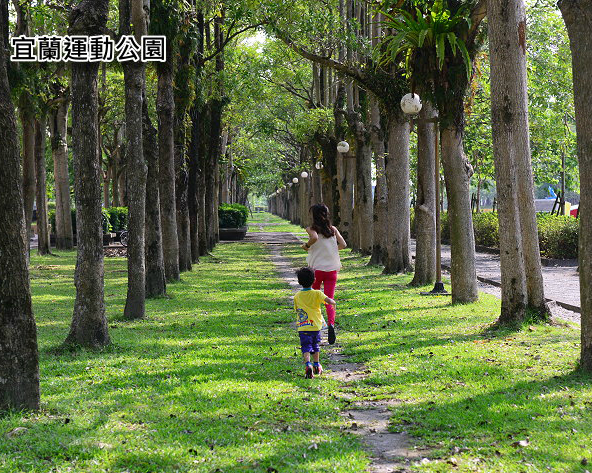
{"x":303,"y":174}
{"x":343,"y":146}
{"x":319,"y":165}
{"x":295,"y":180}
{"x":411,"y":104}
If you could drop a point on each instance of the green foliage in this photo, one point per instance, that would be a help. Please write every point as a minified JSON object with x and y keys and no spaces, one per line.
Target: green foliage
{"x":486,"y":228}
{"x":107,"y":227}
{"x":314,"y":121}
{"x":232,"y":215}
{"x":433,"y":28}
{"x":117,"y":218}
{"x":558,"y":236}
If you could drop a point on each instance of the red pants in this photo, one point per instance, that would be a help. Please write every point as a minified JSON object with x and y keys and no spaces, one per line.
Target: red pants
{"x":328,"y":279}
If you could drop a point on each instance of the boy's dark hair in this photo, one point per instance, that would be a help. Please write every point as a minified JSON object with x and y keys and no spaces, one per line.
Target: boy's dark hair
{"x":305,"y":276}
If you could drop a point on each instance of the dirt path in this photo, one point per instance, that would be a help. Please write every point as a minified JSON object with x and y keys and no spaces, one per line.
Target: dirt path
{"x":390,"y":452}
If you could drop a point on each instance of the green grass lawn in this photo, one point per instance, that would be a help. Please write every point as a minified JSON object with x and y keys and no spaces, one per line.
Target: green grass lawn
{"x":508,"y":401}
{"x":212,"y":380}
{"x":266,"y":222}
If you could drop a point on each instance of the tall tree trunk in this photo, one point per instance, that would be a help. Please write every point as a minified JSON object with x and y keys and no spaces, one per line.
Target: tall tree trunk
{"x":165,"y":107}
{"x":509,"y":112}
{"x":19,"y":368}
{"x":89,"y":324}
{"x":41,"y":194}
{"x":347,"y":177}
{"x":457,"y":174}
{"x":380,"y":195}
{"x":398,"y":213}
{"x":193,"y":188}
{"x":363,"y":201}
{"x":155,"y":272}
{"x":577,"y":15}
{"x":28,"y":125}
{"x":181,"y":193}
{"x":59,"y":148}
{"x":211,"y":215}
{"x":135,"y":305}
{"x":425,"y":207}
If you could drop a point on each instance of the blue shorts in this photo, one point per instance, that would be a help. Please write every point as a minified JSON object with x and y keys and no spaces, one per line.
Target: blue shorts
{"x":309,"y":341}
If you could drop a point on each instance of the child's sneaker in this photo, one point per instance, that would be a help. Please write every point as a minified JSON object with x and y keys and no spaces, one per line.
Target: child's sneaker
{"x":317,"y":368}
{"x":331,"y":335}
{"x":308,"y":371}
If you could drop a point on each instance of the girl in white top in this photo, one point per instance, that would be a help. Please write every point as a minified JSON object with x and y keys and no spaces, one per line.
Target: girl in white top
{"x":323,"y":247}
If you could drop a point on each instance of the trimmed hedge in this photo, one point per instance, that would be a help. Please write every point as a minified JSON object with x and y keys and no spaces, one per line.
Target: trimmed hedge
{"x":232,"y":215}
{"x":558,"y":234}
{"x":107,"y":227}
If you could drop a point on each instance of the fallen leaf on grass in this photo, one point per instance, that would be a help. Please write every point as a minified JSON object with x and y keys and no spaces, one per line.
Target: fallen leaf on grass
{"x":16,"y":432}
{"x":521,"y":443}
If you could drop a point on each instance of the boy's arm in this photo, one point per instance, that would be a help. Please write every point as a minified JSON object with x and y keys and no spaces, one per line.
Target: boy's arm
{"x":330,"y":301}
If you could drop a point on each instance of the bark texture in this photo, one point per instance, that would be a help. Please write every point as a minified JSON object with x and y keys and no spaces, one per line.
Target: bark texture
{"x":397,"y":179}
{"x":28,"y":126}
{"x":19,"y":371}
{"x":380,"y":194}
{"x":425,"y":207}
{"x":41,"y":187}
{"x":509,"y":111}
{"x":155,"y":273}
{"x":363,"y":202}
{"x":457,"y":174}
{"x":135,"y":304}
{"x":577,"y":15}
{"x":165,"y":107}
{"x":89,"y":324}
{"x":59,"y":150}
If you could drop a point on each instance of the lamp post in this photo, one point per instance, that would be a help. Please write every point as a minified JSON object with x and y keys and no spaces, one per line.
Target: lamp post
{"x":411,"y":105}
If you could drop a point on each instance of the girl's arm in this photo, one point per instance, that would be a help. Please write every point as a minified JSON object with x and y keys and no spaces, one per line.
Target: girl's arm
{"x":312,"y":238}
{"x":341,"y":244}
{"x":330,"y":301}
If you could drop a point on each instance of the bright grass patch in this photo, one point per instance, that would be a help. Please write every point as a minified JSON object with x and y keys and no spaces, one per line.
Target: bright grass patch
{"x":266,"y":222}
{"x":490,"y":402}
{"x":211,"y":379}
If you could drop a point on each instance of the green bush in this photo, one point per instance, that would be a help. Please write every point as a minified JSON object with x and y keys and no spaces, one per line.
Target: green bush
{"x":107,"y":227}
{"x":486,"y":228}
{"x":117,"y":218}
{"x":232,"y":215}
{"x":558,"y":236}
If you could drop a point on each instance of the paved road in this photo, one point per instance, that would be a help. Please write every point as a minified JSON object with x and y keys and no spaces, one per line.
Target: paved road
{"x":562,"y":283}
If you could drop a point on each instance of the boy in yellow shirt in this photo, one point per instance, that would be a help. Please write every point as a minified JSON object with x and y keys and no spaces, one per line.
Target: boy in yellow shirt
{"x":307,"y":304}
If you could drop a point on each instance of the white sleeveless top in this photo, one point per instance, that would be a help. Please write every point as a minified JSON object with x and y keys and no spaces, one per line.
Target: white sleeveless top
{"x":323,"y":255}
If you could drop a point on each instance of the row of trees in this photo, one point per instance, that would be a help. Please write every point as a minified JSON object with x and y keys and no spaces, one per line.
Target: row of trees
{"x":169,"y":176}
{"x":229,"y":111}
{"x":431,"y":48}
